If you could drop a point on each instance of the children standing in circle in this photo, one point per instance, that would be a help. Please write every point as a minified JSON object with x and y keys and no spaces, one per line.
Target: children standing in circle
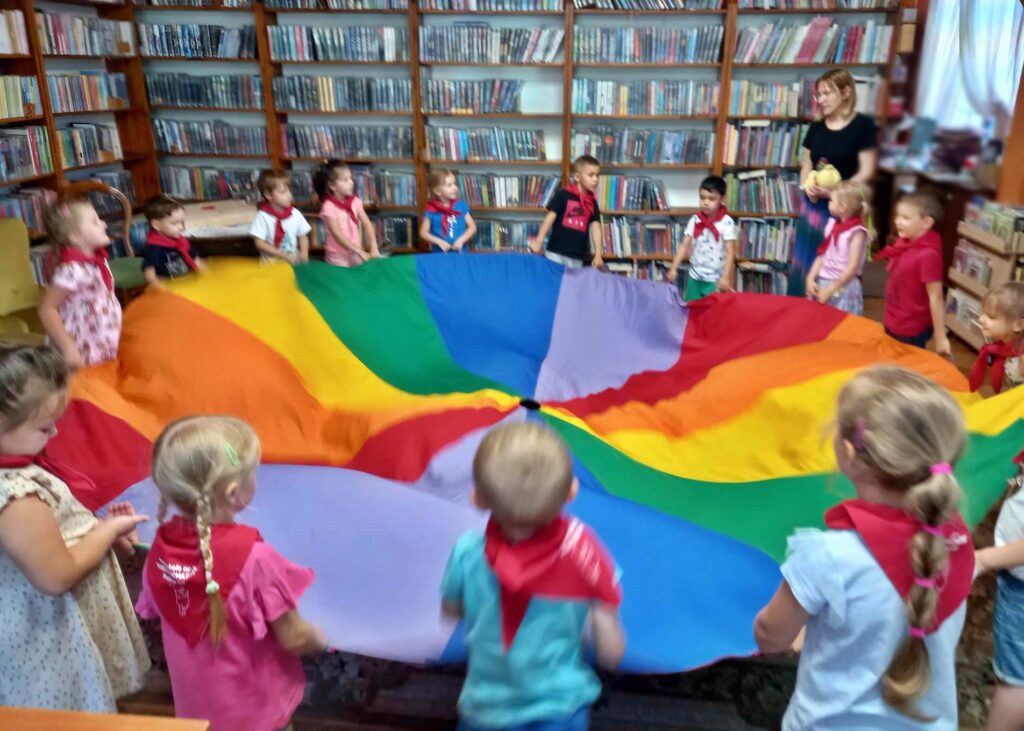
{"x":1002,"y":324}
{"x":279,"y":229}
{"x":68,"y":636}
{"x":167,"y":254}
{"x":574,"y":220}
{"x":447,"y":224}
{"x":344,"y":216}
{"x":709,"y":243}
{"x":526,"y":589}
{"x":79,"y":310}
{"x":834,"y":277}
{"x":226,"y":600}
{"x":881,"y":626}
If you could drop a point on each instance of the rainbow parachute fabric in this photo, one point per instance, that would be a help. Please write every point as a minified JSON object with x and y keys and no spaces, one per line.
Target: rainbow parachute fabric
{"x":699,"y":434}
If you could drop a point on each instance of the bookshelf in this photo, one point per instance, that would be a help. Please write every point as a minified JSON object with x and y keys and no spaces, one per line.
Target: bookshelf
{"x":399,"y":76}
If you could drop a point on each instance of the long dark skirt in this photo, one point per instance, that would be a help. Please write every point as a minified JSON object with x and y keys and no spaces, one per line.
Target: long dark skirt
{"x":810,"y":230}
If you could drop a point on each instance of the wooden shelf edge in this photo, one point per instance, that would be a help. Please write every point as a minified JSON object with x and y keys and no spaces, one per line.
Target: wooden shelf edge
{"x":972,"y":286}
{"x":983,"y":238}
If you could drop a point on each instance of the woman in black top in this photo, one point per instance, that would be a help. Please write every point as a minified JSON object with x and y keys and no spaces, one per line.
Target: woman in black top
{"x":842,"y":138}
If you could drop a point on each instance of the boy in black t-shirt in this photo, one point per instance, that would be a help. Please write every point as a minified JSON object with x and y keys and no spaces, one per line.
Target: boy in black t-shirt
{"x":574,"y":219}
{"x":167,"y":254}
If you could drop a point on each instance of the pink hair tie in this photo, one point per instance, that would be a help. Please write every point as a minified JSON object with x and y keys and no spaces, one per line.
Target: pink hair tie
{"x":917,"y":633}
{"x":935,"y":530}
{"x":942,"y":468}
{"x":927,"y":583}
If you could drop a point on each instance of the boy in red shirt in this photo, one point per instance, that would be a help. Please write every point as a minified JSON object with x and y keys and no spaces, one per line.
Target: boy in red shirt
{"x":914,"y":306}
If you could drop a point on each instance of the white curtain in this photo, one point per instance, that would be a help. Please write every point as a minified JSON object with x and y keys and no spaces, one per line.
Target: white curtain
{"x":940,"y":89}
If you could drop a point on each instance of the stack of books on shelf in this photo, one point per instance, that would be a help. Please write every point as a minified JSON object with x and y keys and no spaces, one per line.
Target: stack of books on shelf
{"x":475,"y":42}
{"x":1003,"y":221}
{"x":627,"y":237}
{"x":199,"y":3}
{"x":628,"y":193}
{"x":821,"y":41}
{"x":213,"y":137}
{"x":777,"y":193}
{"x":492,"y":5}
{"x":193,"y":183}
{"x":818,"y":4}
{"x":87,"y":91}
{"x":241,"y":91}
{"x":337,"y":4}
{"x":652,"y":271}
{"x":512,"y":191}
{"x":611,"y":145}
{"x":973,"y":261}
{"x":759,"y":142}
{"x":321,"y":141}
{"x":648,"y":45}
{"x":78,"y":35}
{"x":122,"y":180}
{"x":650,"y":4}
{"x":486,"y":96}
{"x":965,"y":310}
{"x":24,"y":152}
{"x":87,"y":144}
{"x":765,"y":99}
{"x":655,"y":98}
{"x":353,"y":44}
{"x":766,"y":239}
{"x":393,"y":232}
{"x":19,"y":97}
{"x":28,"y":204}
{"x":13,"y":38}
{"x":196,"y":41}
{"x":342,"y":94}
{"x":504,"y":235}
{"x":760,"y":278}
{"x":484,"y":143}
{"x":374,"y":187}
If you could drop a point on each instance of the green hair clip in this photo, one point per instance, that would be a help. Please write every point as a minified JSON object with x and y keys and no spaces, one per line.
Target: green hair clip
{"x":232,"y":454}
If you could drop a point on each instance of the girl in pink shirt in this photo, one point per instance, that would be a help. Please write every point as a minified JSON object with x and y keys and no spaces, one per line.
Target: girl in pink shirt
{"x":834,"y":277}
{"x":226,"y":600}
{"x":344,"y":216}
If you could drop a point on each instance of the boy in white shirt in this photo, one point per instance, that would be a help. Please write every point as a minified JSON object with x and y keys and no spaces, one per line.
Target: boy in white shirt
{"x":709,"y":243}
{"x":279,"y":229}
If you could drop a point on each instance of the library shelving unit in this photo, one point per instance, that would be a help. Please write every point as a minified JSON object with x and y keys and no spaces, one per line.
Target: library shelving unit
{"x":351,"y":45}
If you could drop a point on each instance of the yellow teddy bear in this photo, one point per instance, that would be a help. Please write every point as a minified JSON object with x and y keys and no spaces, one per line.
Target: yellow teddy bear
{"x":827,"y":177}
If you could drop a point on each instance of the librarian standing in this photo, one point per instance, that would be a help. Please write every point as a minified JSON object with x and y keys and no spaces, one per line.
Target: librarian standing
{"x":843,"y":138}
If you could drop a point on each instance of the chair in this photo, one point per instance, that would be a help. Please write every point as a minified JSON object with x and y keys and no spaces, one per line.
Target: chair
{"x":19,"y":293}
{"x":127,"y":270}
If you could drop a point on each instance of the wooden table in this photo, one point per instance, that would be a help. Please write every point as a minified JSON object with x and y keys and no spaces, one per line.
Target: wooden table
{"x":32,"y":719}
{"x":220,"y":215}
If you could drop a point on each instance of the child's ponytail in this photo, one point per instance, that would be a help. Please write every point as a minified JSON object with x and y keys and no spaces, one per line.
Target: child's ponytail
{"x":218,"y":617}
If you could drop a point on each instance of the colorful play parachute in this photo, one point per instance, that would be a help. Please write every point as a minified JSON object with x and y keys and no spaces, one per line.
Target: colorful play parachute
{"x":700,"y":434}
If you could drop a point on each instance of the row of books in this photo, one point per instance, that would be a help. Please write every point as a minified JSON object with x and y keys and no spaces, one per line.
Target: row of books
{"x":323,"y":140}
{"x":767,"y":238}
{"x":86,"y":144}
{"x":631,"y":193}
{"x":484,"y":143}
{"x":120,"y":179}
{"x":28,"y":204}
{"x":214,"y":137}
{"x":353,"y":43}
{"x":648,"y":45}
{"x":192,"y":40}
{"x":650,"y":4}
{"x":1000,"y":219}
{"x":488,"y":190}
{"x":374,"y":187}
{"x":87,"y":91}
{"x":759,"y":191}
{"x":236,"y":91}
{"x":611,"y":145}
{"x":794,"y":99}
{"x":966,"y":310}
{"x":819,"y":4}
{"x":13,"y":37}
{"x":761,"y":279}
{"x":19,"y":97}
{"x":336,"y":93}
{"x":202,"y":3}
{"x":24,"y":152}
{"x":820,"y":41}
{"x":393,"y":232}
{"x":337,"y":4}
{"x":62,"y":34}
{"x":480,"y":43}
{"x":973,"y":261}
{"x":504,"y":235}
{"x":196,"y":183}
{"x":667,"y":98}
{"x":626,"y":236}
{"x":491,"y":5}
{"x":759,"y":142}
{"x":487,"y":96}
{"x":647,"y":271}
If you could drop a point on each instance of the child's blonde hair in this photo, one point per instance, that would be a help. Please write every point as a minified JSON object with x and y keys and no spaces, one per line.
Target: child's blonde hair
{"x":62,"y":220}
{"x":840,"y":80}
{"x":901,"y":424}
{"x":523,"y":474}
{"x":28,"y":376}
{"x":1006,"y":300}
{"x":194,"y":459}
{"x":853,"y":196}
{"x":437,"y":178}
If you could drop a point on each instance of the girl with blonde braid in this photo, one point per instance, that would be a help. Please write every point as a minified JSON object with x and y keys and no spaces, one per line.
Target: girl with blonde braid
{"x":881,"y":626}
{"x":226,"y":600}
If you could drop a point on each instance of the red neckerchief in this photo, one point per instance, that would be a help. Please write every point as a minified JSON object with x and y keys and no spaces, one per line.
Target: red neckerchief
{"x":345,"y":204}
{"x":81,"y":485}
{"x":281,"y":217}
{"x":447,"y":212}
{"x":176,"y":578}
{"x":587,"y":199}
{"x":838,"y":228}
{"x":999,"y":353}
{"x":563,"y":560}
{"x":69,"y":254}
{"x":888,"y":531}
{"x":703,"y":222}
{"x":901,"y":246}
{"x":180,"y":244}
